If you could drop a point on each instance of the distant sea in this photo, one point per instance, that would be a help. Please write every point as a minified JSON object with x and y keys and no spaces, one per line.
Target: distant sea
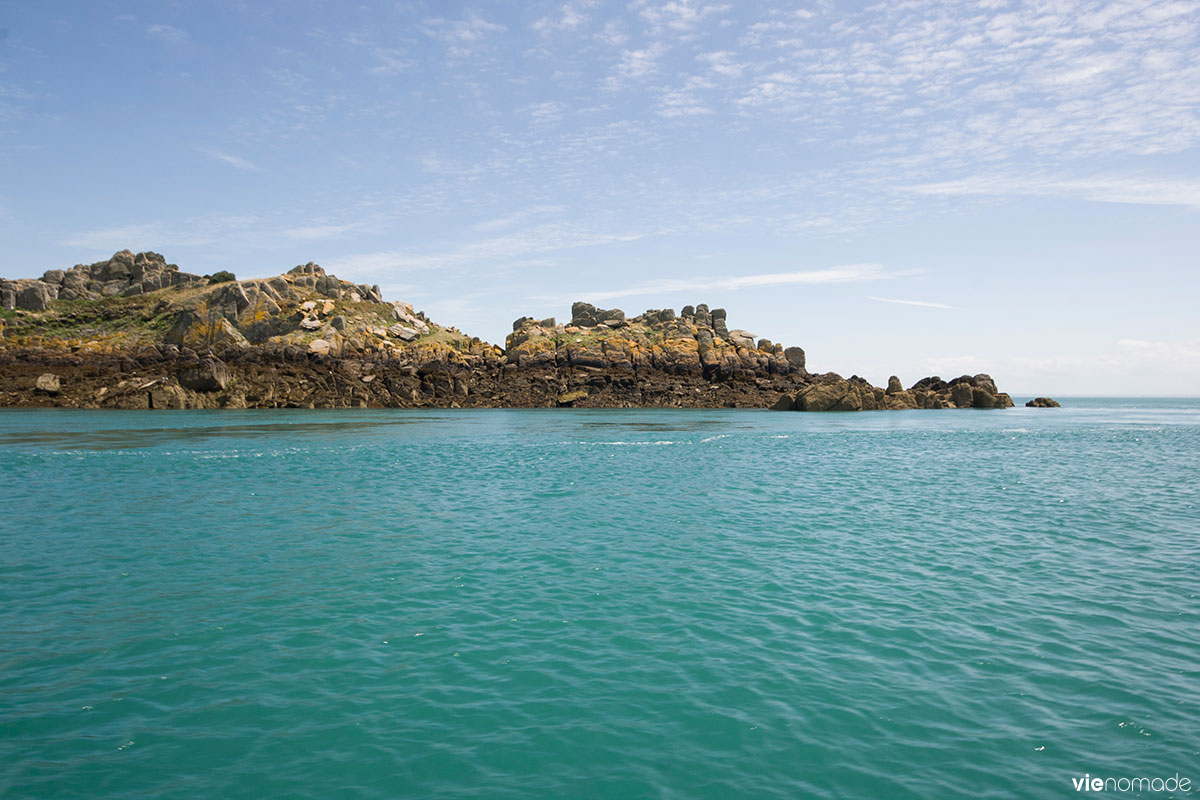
{"x":599,"y":604}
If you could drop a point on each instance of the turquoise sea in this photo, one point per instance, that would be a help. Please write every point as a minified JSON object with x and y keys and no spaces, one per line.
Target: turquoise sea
{"x":599,"y":604}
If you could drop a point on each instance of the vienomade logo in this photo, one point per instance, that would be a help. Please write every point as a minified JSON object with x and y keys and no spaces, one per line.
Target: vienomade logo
{"x":1094,"y":783}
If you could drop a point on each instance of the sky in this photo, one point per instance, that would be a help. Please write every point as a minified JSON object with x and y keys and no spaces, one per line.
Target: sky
{"x":907,"y":188}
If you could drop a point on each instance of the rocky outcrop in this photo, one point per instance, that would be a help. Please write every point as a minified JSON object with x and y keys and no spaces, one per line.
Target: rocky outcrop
{"x":285,"y":308}
{"x":697,"y":343}
{"x":831,"y":392}
{"x":125,"y":274}
{"x":1042,"y":402}
{"x":135,"y":332}
{"x":586,"y":315}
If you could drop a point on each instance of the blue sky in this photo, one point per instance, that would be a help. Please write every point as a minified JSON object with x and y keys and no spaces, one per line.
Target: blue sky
{"x":909,"y":187}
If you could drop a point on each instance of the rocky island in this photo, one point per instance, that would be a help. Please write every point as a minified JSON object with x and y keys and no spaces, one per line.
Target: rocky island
{"x":136,"y":332}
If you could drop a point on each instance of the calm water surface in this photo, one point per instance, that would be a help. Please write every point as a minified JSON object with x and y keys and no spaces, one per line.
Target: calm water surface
{"x":598,"y":604}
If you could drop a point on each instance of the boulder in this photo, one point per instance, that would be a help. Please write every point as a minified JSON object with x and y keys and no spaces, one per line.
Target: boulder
{"x":167,"y":396}
{"x":740,"y":338}
{"x":930,"y":384}
{"x":894,"y":386}
{"x":36,"y":296}
{"x":583,"y":315}
{"x":48,"y":383}
{"x":570,"y":398}
{"x":985,"y":382}
{"x":982,"y":398}
{"x":586,"y":315}
{"x":121,"y":263}
{"x":209,"y":375}
{"x":837,"y":396}
{"x":962,"y":395}
{"x":306,"y":269}
{"x":795,"y":357}
{"x":401,"y":332}
{"x":786,"y":402}
{"x":198,"y":328}
{"x":229,"y":299}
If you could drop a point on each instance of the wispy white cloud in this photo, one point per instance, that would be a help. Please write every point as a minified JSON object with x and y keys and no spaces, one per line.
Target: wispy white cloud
{"x":567,"y":17}
{"x":546,"y":112}
{"x":614,"y":34}
{"x":164,"y":235}
{"x":461,"y":36}
{"x":231,"y":160}
{"x":391,"y":61}
{"x":723,"y":63}
{"x":849,"y":273}
{"x":1183,"y":355}
{"x":168,"y":34}
{"x":1107,"y":189}
{"x":311,"y":233}
{"x":636,"y":64}
{"x":506,"y":248}
{"x":509,"y":220}
{"x":922,"y":303}
{"x":677,"y":15}
{"x":116,"y":238}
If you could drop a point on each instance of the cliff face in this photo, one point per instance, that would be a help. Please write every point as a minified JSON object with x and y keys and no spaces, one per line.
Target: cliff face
{"x":135,"y":332}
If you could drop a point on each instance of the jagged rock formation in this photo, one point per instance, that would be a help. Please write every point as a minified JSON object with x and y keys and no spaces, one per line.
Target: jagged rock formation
{"x":697,"y":343}
{"x":124,"y":274}
{"x":135,"y":332}
{"x":285,"y":309}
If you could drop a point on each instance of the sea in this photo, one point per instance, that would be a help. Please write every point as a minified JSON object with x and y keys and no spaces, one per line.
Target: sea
{"x":568,"y":603}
